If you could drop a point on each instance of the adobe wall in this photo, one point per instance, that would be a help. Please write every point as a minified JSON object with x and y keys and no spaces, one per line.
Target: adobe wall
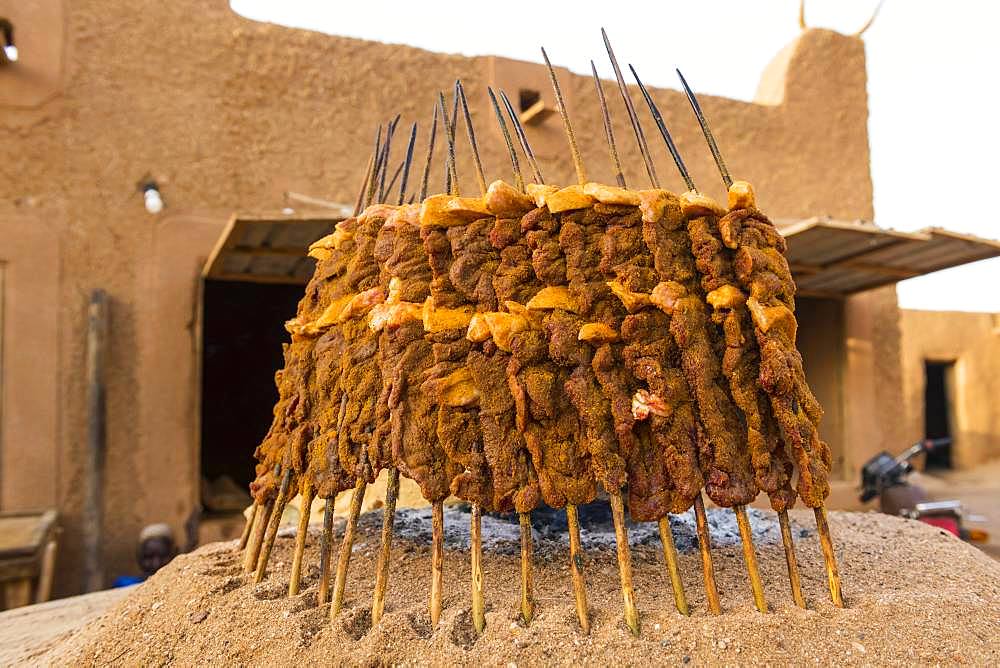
{"x":972,"y":342}
{"x":227,"y":114}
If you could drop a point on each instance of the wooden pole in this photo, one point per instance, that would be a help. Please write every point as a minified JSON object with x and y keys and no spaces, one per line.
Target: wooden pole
{"x":93,"y":510}
{"x":300,"y":539}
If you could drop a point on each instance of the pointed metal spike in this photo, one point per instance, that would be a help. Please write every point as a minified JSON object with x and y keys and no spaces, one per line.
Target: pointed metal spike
{"x":576,"y":568}
{"x":395,"y":175}
{"x":385,"y":159}
{"x":382,"y":569}
{"x":511,"y":151}
{"x":248,"y":527}
{"x":301,"y":534}
{"x":790,"y":560}
{"x":713,"y":146}
{"x":326,"y":550}
{"x":668,"y":140}
{"x":581,"y":172}
{"x":478,"y":600}
{"x":451,"y":182}
{"x":640,"y":136}
{"x":624,"y":563}
{"x":407,"y":163}
{"x":437,"y":561}
{"x":522,"y":138}
{"x":608,"y":130}
{"x":750,"y":556}
{"x":471,"y":131}
{"x":670,"y":558}
{"x":430,"y":155}
{"x":705,"y":547}
{"x":829,"y":556}
{"x":272,"y":526}
{"x":347,"y":547}
{"x":527,"y":581}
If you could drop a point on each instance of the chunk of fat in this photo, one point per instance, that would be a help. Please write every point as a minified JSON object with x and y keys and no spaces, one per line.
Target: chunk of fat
{"x":439,"y":319}
{"x":727,"y":296}
{"x":539,"y":192}
{"x":570,"y":198}
{"x":407,"y":214}
{"x":741,"y":196}
{"x":392,"y":316}
{"x":503,"y":326}
{"x":553,"y":297}
{"x":666,"y":295}
{"x":597,"y":333}
{"x":696,"y":205}
{"x":633,"y":301}
{"x":645,"y":403}
{"x":505,"y":201}
{"x":450,"y":211}
{"x":777,"y":317}
{"x":457,"y":389}
{"x":360,"y":304}
{"x":611,"y":194}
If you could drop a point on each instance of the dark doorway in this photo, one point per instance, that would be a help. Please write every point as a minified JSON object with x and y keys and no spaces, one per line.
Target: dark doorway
{"x":937,"y":411}
{"x":241,"y":349}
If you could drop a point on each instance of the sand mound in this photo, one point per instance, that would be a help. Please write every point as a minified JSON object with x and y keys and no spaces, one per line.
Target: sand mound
{"x":914,"y":594}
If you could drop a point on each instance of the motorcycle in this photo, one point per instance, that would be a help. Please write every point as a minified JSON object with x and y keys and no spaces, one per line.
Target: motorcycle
{"x":886,"y":477}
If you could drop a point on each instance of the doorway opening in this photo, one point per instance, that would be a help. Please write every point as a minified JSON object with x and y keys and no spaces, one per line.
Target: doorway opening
{"x":242,"y":337}
{"x":937,"y":410}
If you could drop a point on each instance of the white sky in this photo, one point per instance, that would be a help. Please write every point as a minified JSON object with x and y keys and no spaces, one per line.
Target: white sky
{"x":932,"y":84}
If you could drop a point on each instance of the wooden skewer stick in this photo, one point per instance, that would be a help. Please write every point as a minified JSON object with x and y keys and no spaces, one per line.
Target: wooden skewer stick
{"x":382,"y":570}
{"x":347,"y":546}
{"x":248,"y":527}
{"x":670,"y":557}
{"x":364,"y":185}
{"x":750,"y":556}
{"x":624,"y":562}
{"x":257,"y":537}
{"x":478,"y":600}
{"x":395,"y":175}
{"x":608,"y":131}
{"x":272,"y":526}
{"x":576,"y":568}
{"x":376,"y":166}
{"x":527,"y":581}
{"x":790,"y":560}
{"x":514,"y":163}
{"x":480,"y":175}
{"x":705,"y":547}
{"x":826,"y":542}
{"x":451,"y":183}
{"x":640,"y":136}
{"x":300,"y":539}
{"x":430,"y":155}
{"x":437,"y":561}
{"x":581,"y":172}
{"x":326,"y":550}
{"x":536,"y":173}
{"x":713,"y":146}
{"x":406,"y":164}
{"x":667,"y":139}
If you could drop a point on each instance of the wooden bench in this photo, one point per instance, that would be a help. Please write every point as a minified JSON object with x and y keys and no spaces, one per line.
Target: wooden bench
{"x":28,"y":544}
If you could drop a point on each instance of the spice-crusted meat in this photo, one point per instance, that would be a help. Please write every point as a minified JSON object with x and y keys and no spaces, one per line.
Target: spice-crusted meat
{"x":457,"y":422}
{"x":665,"y":443}
{"x":725,"y":458}
{"x":360,"y":374}
{"x":763,"y":272}
{"x":772,"y":464}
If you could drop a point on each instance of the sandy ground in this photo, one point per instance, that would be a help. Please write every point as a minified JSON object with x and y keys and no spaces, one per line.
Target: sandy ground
{"x":914,"y":596}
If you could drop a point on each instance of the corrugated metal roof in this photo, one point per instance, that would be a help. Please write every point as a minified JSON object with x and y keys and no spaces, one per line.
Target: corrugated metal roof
{"x":269,"y":248}
{"x":831,"y":258}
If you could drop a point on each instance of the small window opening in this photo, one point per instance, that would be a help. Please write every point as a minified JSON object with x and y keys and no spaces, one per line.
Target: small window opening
{"x":527,"y":98}
{"x":937,"y":411}
{"x":8,"y":52}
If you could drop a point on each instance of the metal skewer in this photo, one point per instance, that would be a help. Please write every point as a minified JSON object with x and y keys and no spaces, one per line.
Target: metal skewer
{"x":364,"y":185}
{"x":608,"y":131}
{"x":581,"y":172}
{"x":709,"y":137}
{"x":451,"y":183}
{"x":514,"y":163}
{"x":640,"y":137}
{"x":480,"y":175}
{"x":376,"y":166}
{"x":390,"y":131}
{"x":667,"y":139}
{"x":536,"y":173}
{"x":407,"y":163}
{"x":430,"y":155}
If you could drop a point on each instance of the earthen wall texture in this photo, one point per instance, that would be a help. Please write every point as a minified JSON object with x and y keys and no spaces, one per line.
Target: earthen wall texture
{"x":227,"y":114}
{"x":971,"y":342}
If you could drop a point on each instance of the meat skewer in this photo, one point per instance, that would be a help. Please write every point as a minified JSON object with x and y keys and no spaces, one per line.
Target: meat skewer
{"x":392,"y":483}
{"x":795,"y":409}
{"x":504,"y":422}
{"x":701,"y":519}
{"x":526,"y":349}
{"x":617,"y":506}
{"x":738,"y":360}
